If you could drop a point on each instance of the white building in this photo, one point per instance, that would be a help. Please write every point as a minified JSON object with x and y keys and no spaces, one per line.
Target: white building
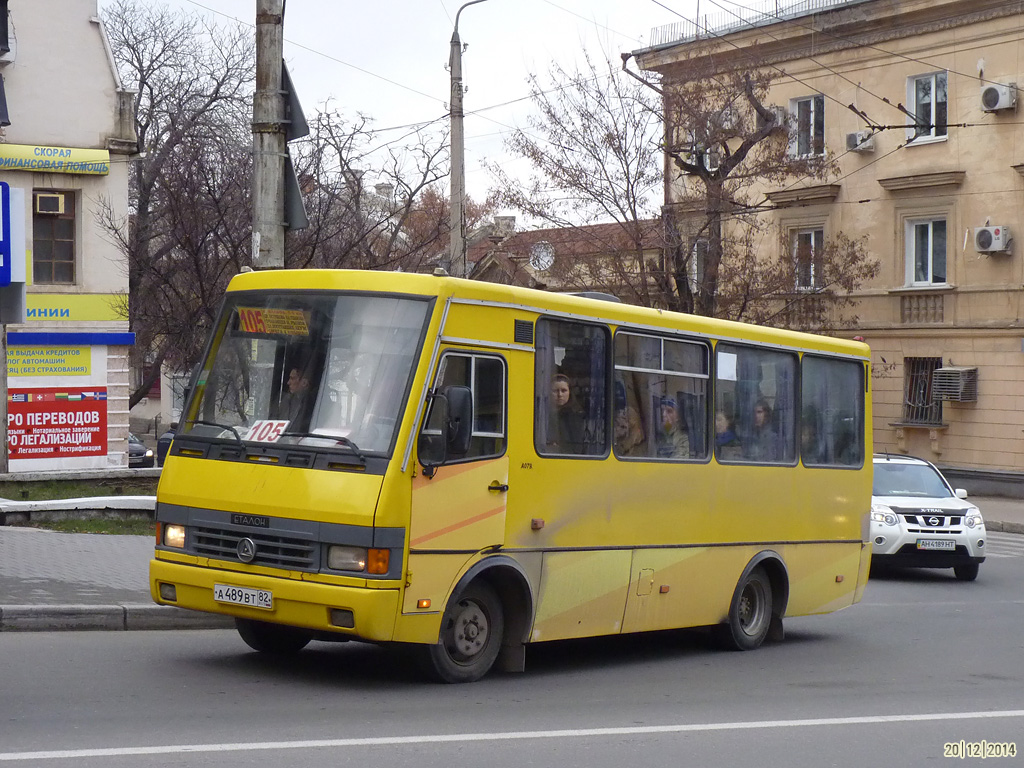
{"x":65,"y":141}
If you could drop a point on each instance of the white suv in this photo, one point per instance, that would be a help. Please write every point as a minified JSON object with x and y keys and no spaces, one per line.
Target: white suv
{"x":918,"y":520}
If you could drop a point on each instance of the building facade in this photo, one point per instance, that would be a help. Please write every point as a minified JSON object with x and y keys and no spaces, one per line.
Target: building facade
{"x":65,"y":144}
{"x":917,"y":100}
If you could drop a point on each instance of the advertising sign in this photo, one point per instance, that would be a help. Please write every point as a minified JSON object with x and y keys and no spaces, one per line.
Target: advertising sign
{"x":49,"y":361}
{"x":56,"y":422}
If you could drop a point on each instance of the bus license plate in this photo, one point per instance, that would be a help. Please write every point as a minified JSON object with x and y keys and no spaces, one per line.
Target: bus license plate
{"x":936,"y":544}
{"x":253,"y":598}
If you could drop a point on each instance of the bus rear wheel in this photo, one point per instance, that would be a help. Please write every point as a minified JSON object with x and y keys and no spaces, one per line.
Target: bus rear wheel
{"x":750,"y":615}
{"x":471,"y":634}
{"x":275,"y":639}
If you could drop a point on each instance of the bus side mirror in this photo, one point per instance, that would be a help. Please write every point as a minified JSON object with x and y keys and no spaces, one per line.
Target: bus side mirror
{"x":460,"y":419}
{"x":448,"y":428}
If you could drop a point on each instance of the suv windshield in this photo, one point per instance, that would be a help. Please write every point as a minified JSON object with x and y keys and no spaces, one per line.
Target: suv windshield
{"x":900,"y":479}
{"x":309,"y":369}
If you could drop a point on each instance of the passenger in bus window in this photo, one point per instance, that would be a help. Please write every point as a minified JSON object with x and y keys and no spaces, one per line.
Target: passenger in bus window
{"x":727,"y":444}
{"x":295,"y":399}
{"x":674,"y":442}
{"x":565,"y":426}
{"x":763,"y":444}
{"x":629,"y":433}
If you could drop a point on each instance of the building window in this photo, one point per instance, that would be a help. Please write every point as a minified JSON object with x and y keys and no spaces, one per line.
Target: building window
{"x":926,"y":252}
{"x":810,"y":126}
{"x":53,"y":237}
{"x":808,"y":256}
{"x":926,"y":95}
{"x":919,"y":403}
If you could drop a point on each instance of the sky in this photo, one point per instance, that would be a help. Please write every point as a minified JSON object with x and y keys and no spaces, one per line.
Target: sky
{"x":387,"y":58}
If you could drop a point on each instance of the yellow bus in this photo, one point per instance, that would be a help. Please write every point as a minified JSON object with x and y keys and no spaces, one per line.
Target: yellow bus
{"x":467,"y":468}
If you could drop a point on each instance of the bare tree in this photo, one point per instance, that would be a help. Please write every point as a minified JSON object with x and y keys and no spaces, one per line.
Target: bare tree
{"x":597,"y":147}
{"x":193,"y":84}
{"x":727,"y":147}
{"x":593,"y":148}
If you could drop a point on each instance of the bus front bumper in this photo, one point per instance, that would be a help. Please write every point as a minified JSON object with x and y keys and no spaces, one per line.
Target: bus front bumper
{"x":293,"y":602}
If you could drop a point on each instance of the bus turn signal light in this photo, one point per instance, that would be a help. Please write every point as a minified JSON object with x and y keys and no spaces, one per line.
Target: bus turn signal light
{"x":377,"y":560}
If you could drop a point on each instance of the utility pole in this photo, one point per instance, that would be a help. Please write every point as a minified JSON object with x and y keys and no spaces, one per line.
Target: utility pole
{"x":270,"y":148}
{"x":457,"y":256}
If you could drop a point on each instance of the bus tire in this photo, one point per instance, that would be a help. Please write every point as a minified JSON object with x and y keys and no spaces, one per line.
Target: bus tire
{"x":471,"y":635}
{"x":275,"y":639}
{"x":750,"y":615}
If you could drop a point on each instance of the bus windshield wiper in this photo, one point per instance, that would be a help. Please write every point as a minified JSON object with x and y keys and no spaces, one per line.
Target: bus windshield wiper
{"x":337,"y":438}
{"x":228,"y":427}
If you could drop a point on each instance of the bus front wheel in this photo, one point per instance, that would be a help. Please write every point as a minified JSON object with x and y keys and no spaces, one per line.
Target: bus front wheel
{"x":470,"y":638}
{"x":275,"y":639}
{"x":750,"y":615}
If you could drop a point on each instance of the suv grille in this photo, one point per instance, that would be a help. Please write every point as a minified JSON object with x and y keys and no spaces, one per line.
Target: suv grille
{"x":273,"y":550}
{"x":921,"y":521}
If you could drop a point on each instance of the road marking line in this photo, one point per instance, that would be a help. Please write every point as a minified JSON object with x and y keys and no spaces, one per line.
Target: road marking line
{"x":450,"y":738}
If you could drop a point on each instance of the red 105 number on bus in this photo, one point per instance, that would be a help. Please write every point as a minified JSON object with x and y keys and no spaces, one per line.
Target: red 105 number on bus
{"x":266,"y":431}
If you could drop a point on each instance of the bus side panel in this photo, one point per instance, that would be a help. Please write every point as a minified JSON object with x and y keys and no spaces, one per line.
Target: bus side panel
{"x":460,"y":507}
{"x":822,"y":577}
{"x":698,"y":584}
{"x":582,"y":594}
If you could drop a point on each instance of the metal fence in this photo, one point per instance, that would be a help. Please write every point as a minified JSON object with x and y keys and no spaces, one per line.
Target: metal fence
{"x":739,"y":17}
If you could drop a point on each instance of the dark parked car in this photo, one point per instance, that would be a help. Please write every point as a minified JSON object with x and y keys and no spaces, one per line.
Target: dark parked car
{"x":139,"y":456}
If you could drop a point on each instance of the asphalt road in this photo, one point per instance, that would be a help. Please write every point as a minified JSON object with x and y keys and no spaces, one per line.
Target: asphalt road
{"x":922,"y":662}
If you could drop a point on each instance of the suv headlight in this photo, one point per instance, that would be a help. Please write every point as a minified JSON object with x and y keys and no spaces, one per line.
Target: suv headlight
{"x":973,"y":518}
{"x":883,"y":514}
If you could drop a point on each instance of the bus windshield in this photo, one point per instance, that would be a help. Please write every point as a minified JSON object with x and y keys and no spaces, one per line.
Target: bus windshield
{"x":315,"y":370}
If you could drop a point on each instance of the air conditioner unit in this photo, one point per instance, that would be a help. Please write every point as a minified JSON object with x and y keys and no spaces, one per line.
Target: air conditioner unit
{"x":996,"y":97}
{"x":49,"y":202}
{"x":955,"y":383}
{"x":861,"y":141}
{"x":992,"y":239}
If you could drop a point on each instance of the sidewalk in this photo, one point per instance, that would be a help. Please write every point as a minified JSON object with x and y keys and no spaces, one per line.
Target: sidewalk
{"x":56,"y":581}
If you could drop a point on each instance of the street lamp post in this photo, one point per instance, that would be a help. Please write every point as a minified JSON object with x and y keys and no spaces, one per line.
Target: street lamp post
{"x":457,"y":254}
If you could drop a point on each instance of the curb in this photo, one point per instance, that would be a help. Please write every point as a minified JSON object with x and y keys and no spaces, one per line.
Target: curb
{"x":133,"y":616}
{"x":995,"y":525}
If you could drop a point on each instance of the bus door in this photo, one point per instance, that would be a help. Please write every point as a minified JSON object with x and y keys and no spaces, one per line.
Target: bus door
{"x":461,"y":508}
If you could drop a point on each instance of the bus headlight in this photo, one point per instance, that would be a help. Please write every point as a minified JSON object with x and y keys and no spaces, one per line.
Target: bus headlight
{"x":973,"y":518}
{"x":174,"y":536}
{"x":346,"y":558}
{"x":882,"y":514}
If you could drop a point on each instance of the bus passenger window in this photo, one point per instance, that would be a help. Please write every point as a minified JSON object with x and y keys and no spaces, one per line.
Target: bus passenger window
{"x":570,"y":389}
{"x":662,"y":385}
{"x":832,"y":395}
{"x":756,"y":395}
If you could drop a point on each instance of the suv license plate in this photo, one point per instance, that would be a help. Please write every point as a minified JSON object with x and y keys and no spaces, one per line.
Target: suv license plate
{"x":253,"y":598}
{"x":936,"y":544}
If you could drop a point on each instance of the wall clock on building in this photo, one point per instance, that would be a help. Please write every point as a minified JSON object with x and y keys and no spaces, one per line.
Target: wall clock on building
{"x":542,"y":256}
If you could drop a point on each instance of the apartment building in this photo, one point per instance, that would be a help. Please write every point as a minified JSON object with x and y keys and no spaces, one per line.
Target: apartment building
{"x":66,"y":135}
{"x":917,"y":100}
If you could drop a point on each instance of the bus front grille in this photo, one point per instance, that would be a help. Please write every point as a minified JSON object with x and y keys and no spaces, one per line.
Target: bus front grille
{"x":271,"y":550}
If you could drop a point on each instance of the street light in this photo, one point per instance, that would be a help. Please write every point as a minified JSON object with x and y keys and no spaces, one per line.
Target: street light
{"x":457,"y":255}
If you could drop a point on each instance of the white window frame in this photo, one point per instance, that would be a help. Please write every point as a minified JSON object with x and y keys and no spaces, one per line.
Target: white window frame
{"x":932,"y":136}
{"x":817,"y":104}
{"x":817,"y":235}
{"x":910,"y":251}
